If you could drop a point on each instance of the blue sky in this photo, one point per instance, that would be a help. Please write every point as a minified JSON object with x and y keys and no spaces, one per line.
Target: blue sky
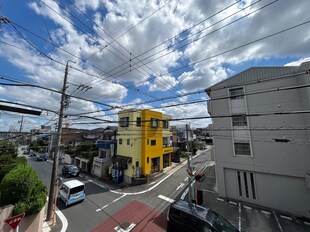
{"x":132,"y":52}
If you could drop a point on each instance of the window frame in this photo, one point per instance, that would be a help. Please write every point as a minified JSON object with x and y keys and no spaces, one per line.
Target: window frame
{"x":128,"y":141}
{"x":234,"y":95}
{"x":154,"y":122}
{"x":124,"y":122}
{"x":242,"y":121}
{"x":120,"y":141}
{"x":138,"y":122}
{"x":165,"y":124}
{"x":153,"y":142}
{"x":244,"y":152}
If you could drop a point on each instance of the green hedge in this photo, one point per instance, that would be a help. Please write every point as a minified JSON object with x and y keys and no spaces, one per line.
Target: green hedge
{"x":23,"y":188}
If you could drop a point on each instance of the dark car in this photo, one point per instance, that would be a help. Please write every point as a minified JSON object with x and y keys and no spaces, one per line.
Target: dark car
{"x":184,"y":216}
{"x":70,"y":170}
{"x":42,"y":157}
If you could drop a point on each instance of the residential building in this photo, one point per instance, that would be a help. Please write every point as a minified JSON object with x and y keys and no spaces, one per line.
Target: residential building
{"x":106,"y":152}
{"x":261,"y":137}
{"x":144,"y":143}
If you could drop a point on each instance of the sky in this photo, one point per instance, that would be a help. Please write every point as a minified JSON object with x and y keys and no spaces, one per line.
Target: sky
{"x":142,"y":54}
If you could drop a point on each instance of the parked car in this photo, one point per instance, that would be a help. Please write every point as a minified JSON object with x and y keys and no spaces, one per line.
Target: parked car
{"x":70,"y":170}
{"x":184,"y":216}
{"x":42,"y":157}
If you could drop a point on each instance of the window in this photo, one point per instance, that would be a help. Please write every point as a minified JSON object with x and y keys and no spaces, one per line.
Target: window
{"x":236,"y":93}
{"x":124,"y":122}
{"x":128,"y":141}
{"x":138,"y":121}
{"x":239,"y":183}
{"x":148,"y":142}
{"x":154,"y":122}
{"x":165,"y":142}
{"x":147,"y":159}
{"x":242,"y":149}
{"x":239,"y":120}
{"x":120,"y":141}
{"x":153,"y":142}
{"x":165,"y":124}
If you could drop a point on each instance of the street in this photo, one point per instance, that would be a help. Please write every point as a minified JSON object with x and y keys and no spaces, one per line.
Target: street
{"x":144,"y":207}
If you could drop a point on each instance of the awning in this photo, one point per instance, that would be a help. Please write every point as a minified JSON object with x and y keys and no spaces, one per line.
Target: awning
{"x":123,"y":159}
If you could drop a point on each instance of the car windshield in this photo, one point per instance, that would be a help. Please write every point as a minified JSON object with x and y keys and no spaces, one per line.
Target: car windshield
{"x":73,"y":168}
{"x":220,"y":223}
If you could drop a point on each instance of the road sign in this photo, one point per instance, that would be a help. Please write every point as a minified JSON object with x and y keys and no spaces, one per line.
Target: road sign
{"x":14,"y":221}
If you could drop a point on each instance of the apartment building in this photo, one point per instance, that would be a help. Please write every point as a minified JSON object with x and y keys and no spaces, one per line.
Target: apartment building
{"x":261,"y":136}
{"x":144,"y":143}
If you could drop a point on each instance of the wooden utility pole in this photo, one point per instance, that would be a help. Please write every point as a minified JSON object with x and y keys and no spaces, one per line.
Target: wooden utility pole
{"x":52,"y":193}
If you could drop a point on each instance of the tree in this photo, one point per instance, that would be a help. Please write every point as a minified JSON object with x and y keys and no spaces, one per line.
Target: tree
{"x":8,"y":159}
{"x":7,"y":148}
{"x":23,"y":188}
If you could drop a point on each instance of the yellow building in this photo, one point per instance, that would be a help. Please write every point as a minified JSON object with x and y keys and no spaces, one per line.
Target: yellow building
{"x":144,"y":143}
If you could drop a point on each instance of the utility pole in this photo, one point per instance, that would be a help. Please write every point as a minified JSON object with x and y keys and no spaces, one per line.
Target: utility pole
{"x":189,"y":168}
{"x":19,"y":135}
{"x":52,"y":193}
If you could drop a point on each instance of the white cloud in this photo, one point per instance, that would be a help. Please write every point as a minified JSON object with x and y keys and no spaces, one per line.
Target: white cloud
{"x":298,"y":62}
{"x":141,"y":29}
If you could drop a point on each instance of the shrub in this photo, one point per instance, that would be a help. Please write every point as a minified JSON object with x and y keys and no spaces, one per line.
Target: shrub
{"x":23,"y":188}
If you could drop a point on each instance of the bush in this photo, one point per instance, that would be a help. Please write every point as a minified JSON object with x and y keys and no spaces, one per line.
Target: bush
{"x":23,"y":188}
{"x":8,"y":163}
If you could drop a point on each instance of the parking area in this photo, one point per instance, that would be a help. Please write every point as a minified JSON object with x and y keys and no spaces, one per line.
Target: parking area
{"x":248,"y":217}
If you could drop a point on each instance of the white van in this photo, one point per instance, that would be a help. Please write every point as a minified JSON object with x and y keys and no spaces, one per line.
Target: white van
{"x":72,"y":191}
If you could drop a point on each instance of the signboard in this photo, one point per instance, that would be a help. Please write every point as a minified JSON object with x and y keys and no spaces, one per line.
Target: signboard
{"x":14,"y":221}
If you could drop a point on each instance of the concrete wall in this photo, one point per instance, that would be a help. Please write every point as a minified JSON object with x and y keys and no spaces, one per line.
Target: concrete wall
{"x":31,"y":223}
{"x":278,"y":169}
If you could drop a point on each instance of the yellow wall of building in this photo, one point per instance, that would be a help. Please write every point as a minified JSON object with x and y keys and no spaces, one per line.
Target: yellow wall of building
{"x":149,"y":133}
{"x":140,"y":148}
{"x":133,"y":133}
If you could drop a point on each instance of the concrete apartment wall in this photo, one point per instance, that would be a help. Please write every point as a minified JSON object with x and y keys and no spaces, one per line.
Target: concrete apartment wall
{"x":275,"y":172}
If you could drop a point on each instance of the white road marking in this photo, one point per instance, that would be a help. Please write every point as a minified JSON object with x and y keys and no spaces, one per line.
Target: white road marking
{"x":239,"y":216}
{"x":184,"y":194}
{"x":117,"y":199}
{"x":280,"y":227}
{"x":219,"y":199}
{"x":233,"y":203}
{"x":247,"y":207}
{"x":154,"y":186}
{"x":286,"y":217}
{"x":166,"y":198}
{"x":152,"y":183}
{"x":265,"y":212}
{"x":63,"y":220}
{"x":180,"y":186}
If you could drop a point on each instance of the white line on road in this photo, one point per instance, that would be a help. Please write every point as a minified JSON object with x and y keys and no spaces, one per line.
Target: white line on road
{"x":166,"y":198}
{"x":239,"y":216}
{"x":280,"y":227}
{"x":180,"y":186}
{"x":184,"y":194}
{"x":117,"y":199}
{"x":208,"y":191}
{"x":63,"y":220}
{"x":152,"y":183}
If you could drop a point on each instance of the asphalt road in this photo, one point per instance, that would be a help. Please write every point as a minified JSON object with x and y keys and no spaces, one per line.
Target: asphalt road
{"x":145,"y":207}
